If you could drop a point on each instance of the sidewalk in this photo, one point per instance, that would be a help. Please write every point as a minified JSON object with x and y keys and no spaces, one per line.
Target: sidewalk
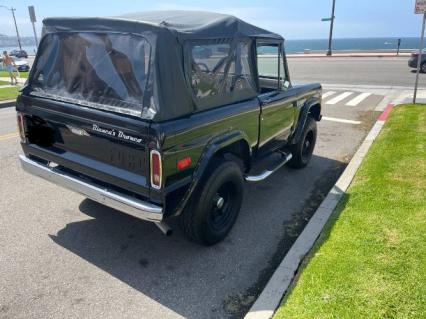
{"x":21,"y":81}
{"x":370,"y":260}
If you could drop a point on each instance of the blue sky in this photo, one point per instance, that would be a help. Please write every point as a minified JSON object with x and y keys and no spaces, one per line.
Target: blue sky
{"x":294,"y":19}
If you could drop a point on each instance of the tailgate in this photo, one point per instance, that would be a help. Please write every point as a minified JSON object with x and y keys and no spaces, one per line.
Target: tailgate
{"x":107,"y":147}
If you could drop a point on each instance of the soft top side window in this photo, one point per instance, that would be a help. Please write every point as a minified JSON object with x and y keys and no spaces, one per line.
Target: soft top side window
{"x":220,"y":72}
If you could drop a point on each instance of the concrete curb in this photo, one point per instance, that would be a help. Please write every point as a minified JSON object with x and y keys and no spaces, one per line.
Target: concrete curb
{"x":7,"y":103}
{"x":272,"y":294}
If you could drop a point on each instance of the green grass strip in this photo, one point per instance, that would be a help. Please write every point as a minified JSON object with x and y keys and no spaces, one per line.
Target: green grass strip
{"x":9,"y":93}
{"x":370,"y":261}
{"x":5,"y":74}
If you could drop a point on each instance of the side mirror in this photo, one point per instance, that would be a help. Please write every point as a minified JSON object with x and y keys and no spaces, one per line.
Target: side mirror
{"x":286,"y":85}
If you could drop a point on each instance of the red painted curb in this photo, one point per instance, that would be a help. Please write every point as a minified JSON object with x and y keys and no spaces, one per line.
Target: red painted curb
{"x":385,"y":114}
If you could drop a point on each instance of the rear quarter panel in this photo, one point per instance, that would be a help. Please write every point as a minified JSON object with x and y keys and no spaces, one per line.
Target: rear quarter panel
{"x":189,"y":136}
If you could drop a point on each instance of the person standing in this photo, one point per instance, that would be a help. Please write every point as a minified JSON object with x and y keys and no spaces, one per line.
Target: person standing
{"x":9,"y":64}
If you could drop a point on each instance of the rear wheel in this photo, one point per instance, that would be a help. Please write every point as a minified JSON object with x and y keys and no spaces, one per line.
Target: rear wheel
{"x":302,"y":151}
{"x":423,"y":67}
{"x":215,"y":205}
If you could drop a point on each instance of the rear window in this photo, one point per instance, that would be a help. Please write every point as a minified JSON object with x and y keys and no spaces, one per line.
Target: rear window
{"x":108,"y":71}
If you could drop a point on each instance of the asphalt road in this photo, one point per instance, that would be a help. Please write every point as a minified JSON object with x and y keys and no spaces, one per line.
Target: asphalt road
{"x":62,"y":256}
{"x":355,"y":71}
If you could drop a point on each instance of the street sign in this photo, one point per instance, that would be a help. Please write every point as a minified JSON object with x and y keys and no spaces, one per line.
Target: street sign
{"x":33,"y":19}
{"x":420,"y":7}
{"x":33,"y":16}
{"x":329,"y":19}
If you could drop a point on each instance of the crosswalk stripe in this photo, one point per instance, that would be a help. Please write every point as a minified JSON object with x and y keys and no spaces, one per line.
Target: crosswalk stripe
{"x":355,"y":101}
{"x":334,"y":119}
{"x":327,"y":94}
{"x":339,"y":98}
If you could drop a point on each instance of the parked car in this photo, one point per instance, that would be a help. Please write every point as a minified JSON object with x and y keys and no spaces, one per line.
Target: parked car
{"x":21,"y":65}
{"x":412,"y":62}
{"x":19,"y":53}
{"x":164,"y":114}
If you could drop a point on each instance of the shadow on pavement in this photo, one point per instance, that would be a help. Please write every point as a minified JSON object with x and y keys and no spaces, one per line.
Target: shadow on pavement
{"x":205,"y":282}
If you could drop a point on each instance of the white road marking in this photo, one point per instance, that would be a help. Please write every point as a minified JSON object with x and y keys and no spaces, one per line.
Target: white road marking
{"x":334,"y":119}
{"x":327,"y":94}
{"x":339,"y":98}
{"x":355,"y":101}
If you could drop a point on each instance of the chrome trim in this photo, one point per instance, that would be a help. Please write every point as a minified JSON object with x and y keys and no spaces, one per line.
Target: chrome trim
{"x":268,"y":172}
{"x":131,"y":206}
{"x":150,"y":169}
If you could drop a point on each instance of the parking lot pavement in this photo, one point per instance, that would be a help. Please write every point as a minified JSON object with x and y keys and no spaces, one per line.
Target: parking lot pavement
{"x":62,"y":256}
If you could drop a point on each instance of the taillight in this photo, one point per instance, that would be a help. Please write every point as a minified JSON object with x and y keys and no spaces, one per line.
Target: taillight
{"x":156,"y":169}
{"x":21,"y":127}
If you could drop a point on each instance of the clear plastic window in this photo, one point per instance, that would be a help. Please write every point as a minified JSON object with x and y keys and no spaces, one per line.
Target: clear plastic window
{"x":220,"y":73}
{"x":101,"y":70}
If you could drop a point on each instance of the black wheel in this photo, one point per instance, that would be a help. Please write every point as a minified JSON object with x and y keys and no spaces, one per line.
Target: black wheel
{"x":214,"y":206}
{"x":423,"y":67}
{"x":303,"y":149}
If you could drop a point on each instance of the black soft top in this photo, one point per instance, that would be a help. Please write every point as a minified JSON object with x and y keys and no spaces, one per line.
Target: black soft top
{"x":169,"y":33}
{"x":184,"y":24}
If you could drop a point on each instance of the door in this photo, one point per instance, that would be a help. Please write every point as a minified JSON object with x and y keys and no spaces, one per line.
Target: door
{"x":277,"y":100}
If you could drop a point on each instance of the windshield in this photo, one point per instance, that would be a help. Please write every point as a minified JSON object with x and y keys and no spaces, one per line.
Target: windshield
{"x":101,"y":70}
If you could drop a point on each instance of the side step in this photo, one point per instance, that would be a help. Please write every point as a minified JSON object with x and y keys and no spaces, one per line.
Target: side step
{"x":268,"y":172}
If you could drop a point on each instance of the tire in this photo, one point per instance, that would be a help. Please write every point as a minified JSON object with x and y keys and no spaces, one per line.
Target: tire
{"x":423,"y":67}
{"x":215,"y":204}
{"x":303,"y":149}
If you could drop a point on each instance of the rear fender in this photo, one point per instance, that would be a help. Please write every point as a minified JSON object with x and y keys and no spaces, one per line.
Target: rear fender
{"x":214,"y":146}
{"x":311,"y":106}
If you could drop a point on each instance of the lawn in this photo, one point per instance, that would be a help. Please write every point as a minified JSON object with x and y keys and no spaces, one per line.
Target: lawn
{"x":8,"y":93}
{"x":4,"y":83}
{"x":4,"y":74}
{"x":371,"y":260}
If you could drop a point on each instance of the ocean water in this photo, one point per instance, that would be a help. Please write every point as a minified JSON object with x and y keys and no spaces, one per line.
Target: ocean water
{"x":298,"y":46}
{"x":30,"y":49}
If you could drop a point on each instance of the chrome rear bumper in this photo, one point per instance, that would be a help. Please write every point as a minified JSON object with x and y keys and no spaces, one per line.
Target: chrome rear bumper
{"x":110,"y":198}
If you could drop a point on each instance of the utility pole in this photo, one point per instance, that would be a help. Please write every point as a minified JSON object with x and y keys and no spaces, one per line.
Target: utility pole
{"x":329,"y":52}
{"x":16,"y":26}
{"x":419,"y":58}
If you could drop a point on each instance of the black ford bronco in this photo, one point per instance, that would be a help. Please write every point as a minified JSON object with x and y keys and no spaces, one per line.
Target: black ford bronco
{"x":164,"y":114}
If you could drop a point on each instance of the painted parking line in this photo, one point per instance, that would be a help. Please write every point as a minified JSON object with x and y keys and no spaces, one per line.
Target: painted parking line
{"x":335,"y":119}
{"x":8,"y":136}
{"x":339,"y":98}
{"x":327,"y":94}
{"x":358,"y":99}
